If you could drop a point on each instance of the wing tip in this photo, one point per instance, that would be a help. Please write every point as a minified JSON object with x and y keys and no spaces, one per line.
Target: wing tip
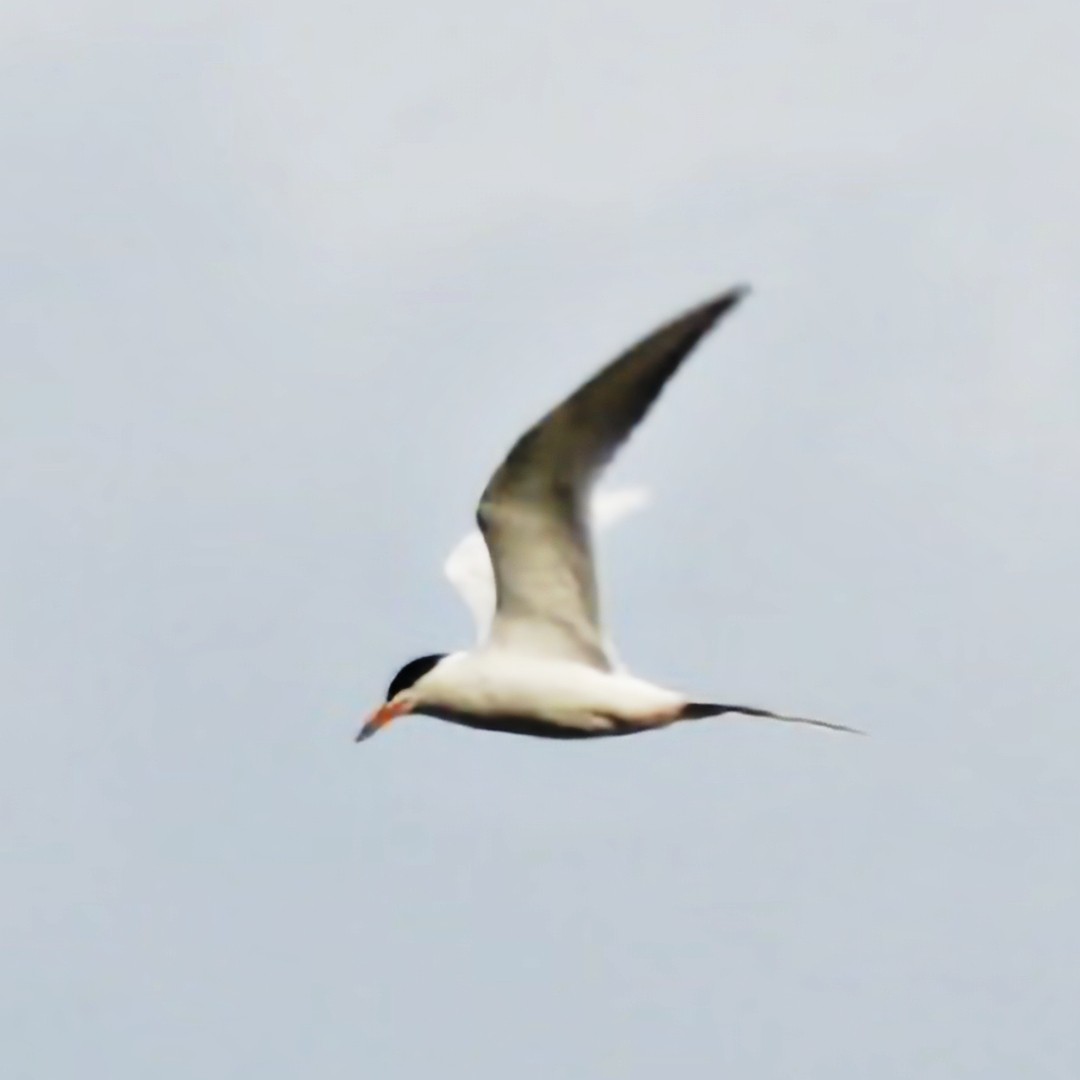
{"x":705,"y":316}
{"x":729,"y":299}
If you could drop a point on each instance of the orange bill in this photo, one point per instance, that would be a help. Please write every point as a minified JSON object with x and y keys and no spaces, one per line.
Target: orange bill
{"x":381,"y":717}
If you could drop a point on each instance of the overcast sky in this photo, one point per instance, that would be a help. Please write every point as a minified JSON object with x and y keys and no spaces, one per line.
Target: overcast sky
{"x":281,"y":282}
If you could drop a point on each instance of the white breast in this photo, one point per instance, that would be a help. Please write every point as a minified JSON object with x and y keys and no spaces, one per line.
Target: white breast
{"x":497,"y":682}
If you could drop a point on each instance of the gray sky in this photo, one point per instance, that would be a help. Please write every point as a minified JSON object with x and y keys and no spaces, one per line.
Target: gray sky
{"x":280,"y":284}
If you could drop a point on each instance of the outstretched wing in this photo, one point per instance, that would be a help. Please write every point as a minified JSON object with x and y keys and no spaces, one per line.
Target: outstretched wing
{"x":532,"y":513}
{"x":468,"y":566}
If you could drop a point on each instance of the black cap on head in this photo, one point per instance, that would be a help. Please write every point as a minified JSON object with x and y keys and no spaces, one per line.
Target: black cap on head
{"x":411,"y":673}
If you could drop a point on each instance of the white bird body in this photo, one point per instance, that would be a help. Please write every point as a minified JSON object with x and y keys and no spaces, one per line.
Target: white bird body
{"x":543,"y":664}
{"x":491,"y":686}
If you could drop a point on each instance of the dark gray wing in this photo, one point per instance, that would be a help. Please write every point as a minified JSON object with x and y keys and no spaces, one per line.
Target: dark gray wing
{"x":534,"y":512}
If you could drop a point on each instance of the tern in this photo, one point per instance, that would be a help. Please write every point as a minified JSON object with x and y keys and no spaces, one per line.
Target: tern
{"x":542,"y":665}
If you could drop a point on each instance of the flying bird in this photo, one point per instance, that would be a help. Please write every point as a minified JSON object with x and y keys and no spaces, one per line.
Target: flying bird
{"x":542,"y":665}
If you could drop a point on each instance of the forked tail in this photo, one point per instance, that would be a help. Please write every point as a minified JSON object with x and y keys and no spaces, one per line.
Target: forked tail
{"x":699,"y":710}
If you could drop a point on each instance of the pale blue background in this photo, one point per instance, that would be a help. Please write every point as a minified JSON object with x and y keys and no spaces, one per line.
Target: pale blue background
{"x":280,"y":284}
